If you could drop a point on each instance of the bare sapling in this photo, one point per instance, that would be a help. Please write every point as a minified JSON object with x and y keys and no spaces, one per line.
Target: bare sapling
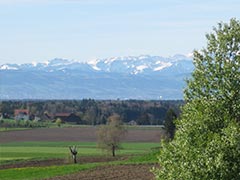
{"x":73,"y":151}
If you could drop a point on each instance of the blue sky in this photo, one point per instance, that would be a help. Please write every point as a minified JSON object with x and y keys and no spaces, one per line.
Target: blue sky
{"x":39,"y":30}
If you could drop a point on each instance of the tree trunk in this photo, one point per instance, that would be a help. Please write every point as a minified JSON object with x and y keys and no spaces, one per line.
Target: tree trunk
{"x":113,"y":150}
{"x":75,"y":159}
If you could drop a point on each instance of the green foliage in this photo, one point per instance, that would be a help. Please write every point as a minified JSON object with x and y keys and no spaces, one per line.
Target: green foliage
{"x":59,"y":122}
{"x":207,"y":141}
{"x":10,"y":124}
{"x":216,"y":75}
{"x":94,"y":112}
{"x":206,"y":146}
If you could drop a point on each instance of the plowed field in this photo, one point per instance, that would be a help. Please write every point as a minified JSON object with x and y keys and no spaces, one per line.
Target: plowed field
{"x":82,"y":134}
{"x":117,"y":172}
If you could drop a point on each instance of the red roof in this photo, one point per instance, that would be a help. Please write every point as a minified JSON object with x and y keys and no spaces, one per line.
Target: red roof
{"x":63,"y":114}
{"x":23,"y":111}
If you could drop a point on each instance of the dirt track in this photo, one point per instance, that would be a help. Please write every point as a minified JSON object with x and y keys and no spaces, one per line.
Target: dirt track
{"x":83,"y":134}
{"x":51,"y":162}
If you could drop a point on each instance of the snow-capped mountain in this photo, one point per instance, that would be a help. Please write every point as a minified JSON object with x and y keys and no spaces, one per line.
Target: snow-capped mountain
{"x":131,"y":64}
{"x":130,"y":77}
{"x":128,"y":64}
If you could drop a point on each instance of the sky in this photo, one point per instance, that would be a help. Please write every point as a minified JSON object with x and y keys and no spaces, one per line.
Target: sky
{"x":40,"y":30}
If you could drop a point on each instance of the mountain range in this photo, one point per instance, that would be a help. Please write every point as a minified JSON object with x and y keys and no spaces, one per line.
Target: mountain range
{"x":130,"y":77}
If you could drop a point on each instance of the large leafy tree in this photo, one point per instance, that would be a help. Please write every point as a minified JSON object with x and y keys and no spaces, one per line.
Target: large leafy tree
{"x":217,"y":72}
{"x":207,"y":141}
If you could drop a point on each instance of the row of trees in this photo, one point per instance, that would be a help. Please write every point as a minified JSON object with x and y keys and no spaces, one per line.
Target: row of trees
{"x":22,"y":124}
{"x":95,"y":112}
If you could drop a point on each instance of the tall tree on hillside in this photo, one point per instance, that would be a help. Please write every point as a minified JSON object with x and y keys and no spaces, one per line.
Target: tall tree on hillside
{"x":207,"y":141}
{"x":169,"y":123}
{"x":111,"y":134}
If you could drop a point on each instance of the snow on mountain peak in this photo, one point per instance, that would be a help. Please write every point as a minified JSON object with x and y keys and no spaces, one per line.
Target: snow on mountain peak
{"x":8,"y":67}
{"x":123,"y":64}
{"x":46,"y":63}
{"x":34,"y":63}
{"x":93,"y":63}
{"x":162,"y":65}
{"x":134,"y":64}
{"x":190,"y":55}
{"x":141,"y":67}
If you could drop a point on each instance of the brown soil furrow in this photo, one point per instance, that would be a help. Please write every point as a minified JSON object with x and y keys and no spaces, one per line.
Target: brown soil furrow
{"x":117,"y":172}
{"x":82,"y":134}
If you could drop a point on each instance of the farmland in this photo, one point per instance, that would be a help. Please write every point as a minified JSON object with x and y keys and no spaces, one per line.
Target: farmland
{"x":43,"y":153}
{"x":80,"y":133}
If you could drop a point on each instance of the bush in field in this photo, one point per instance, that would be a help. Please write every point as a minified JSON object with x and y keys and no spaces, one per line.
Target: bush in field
{"x":207,"y":141}
{"x":59,"y":122}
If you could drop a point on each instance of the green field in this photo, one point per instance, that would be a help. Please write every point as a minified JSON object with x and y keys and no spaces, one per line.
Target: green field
{"x":25,"y":151}
{"x":32,"y":173}
{"x":46,"y":150}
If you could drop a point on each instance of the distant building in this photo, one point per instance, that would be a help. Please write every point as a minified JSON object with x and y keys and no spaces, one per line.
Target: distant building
{"x":62,"y":116}
{"x":21,"y":114}
{"x":132,"y":123}
{"x":66,"y":117}
{"x":37,"y":118}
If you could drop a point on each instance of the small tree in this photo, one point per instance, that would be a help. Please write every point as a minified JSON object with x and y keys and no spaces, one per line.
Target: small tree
{"x":110,"y":135}
{"x":74,"y":152}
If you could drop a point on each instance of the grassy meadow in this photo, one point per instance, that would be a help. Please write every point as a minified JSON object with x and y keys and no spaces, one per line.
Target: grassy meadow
{"x":11,"y":152}
{"x":19,"y":152}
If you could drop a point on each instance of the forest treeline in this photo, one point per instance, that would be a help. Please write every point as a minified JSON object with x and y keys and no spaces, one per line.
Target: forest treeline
{"x":96,"y":112}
